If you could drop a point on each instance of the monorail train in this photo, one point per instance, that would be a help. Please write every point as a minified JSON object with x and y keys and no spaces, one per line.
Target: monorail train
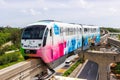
{"x":52,"y":41}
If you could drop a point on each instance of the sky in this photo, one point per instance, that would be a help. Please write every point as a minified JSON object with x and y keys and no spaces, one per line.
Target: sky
{"x":19,"y":13}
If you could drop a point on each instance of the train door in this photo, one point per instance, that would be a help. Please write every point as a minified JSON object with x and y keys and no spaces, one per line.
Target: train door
{"x":51,"y":36}
{"x":45,"y":37}
{"x":56,"y":34}
{"x":56,"y":41}
{"x":61,"y":34}
{"x":85,"y":38}
{"x":62,"y":43}
{"x":79,"y":37}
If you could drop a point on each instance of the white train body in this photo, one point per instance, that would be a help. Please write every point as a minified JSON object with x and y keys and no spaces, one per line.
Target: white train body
{"x":51,"y":40}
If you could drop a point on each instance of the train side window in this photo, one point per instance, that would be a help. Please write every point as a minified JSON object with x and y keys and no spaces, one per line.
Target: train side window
{"x":45,"y":37}
{"x":75,"y":31}
{"x":65,"y":31}
{"x":61,"y":31}
{"x":50,"y":32}
{"x":68,"y":31}
{"x":92,"y":30}
{"x":80,"y":30}
{"x":85,"y":30}
{"x":95,"y":29}
{"x":88,"y":29}
{"x":46,"y":32}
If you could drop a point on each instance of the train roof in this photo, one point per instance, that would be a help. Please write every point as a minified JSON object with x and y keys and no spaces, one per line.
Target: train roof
{"x":90,"y":26}
{"x":44,"y":22}
{"x":48,"y":22}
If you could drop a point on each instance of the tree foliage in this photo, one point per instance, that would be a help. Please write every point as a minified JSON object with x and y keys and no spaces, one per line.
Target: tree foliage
{"x":7,"y":58}
{"x":15,"y":37}
{"x":4,"y":37}
{"x":119,"y":36}
{"x":116,"y":69}
{"x":112,"y":29}
{"x":10,"y":34}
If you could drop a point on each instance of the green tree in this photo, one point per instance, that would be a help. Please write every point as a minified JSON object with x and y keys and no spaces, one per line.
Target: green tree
{"x":15,"y":37}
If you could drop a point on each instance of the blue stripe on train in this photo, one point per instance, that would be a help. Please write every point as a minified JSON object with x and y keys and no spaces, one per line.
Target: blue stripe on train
{"x":97,"y":38}
{"x":73,"y":45}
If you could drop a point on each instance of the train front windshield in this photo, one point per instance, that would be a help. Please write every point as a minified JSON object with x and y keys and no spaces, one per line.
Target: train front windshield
{"x":34,"y":32}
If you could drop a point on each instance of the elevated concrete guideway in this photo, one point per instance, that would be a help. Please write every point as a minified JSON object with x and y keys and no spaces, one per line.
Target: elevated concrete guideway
{"x":103,"y":59}
{"x":114,"y":42}
{"x":114,"y":33}
{"x":25,"y":70}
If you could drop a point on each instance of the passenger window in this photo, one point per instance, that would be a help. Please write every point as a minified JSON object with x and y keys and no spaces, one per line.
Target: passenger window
{"x":94,"y":29}
{"x":88,"y":30}
{"x":45,"y":37}
{"x":80,"y":31}
{"x":50,"y":32}
{"x":46,"y":32}
{"x":74,"y":31}
{"x":61,"y":31}
{"x":67,"y":31}
{"x":85,"y":30}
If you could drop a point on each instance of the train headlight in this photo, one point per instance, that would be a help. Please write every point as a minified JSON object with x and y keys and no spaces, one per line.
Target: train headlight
{"x":39,"y":44}
{"x":27,"y":51}
{"x":22,"y":44}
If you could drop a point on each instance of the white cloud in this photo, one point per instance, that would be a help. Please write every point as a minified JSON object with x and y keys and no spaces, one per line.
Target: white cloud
{"x":2,"y":2}
{"x":24,"y":11}
{"x":96,"y":11}
{"x":114,"y":10}
{"x":80,"y":4}
{"x":45,"y":8}
{"x":83,"y":3}
{"x":104,"y":10}
{"x":31,"y":11}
